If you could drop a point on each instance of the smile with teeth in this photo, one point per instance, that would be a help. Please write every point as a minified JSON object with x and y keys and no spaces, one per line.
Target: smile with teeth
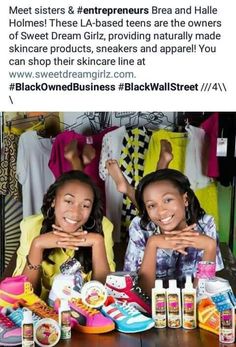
{"x":165,"y":220}
{"x":70,"y":221}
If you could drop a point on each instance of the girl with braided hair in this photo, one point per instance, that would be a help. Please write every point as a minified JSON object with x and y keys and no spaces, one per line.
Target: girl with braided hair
{"x":172,"y":234}
{"x":71,"y":225}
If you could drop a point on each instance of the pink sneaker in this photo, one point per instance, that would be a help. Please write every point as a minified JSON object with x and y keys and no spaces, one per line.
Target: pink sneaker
{"x":89,"y":320}
{"x":124,"y":288}
{"x":17,"y":289}
{"x":10,"y":335}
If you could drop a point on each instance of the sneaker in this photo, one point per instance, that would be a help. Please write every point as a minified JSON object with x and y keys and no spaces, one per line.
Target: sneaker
{"x":89,"y":320}
{"x":124,"y":288}
{"x":16,"y":315}
{"x":126,"y":317}
{"x":16,"y":289}
{"x":10,"y":334}
{"x":62,"y":288}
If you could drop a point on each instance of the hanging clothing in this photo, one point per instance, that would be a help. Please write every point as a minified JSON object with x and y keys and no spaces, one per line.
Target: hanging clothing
{"x":32,"y":170}
{"x":59,"y":164}
{"x":8,"y":180}
{"x":194,"y":158}
{"x":211,"y":126}
{"x":111,"y":149}
{"x":133,"y":154}
{"x":178,"y":142}
{"x":227,"y":164}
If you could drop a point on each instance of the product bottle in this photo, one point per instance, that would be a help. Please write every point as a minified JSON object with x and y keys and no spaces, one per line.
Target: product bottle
{"x":159,"y":304}
{"x":27,"y":329}
{"x":65,"y":319}
{"x":227,"y":326}
{"x":189,"y":308}
{"x":173,"y":305}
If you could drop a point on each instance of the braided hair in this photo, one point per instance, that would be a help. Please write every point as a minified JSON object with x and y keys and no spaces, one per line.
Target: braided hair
{"x":84,"y":254}
{"x":181,"y":182}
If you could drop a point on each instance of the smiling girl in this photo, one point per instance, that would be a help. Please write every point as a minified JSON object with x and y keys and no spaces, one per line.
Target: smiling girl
{"x":71,"y":226}
{"x":173,"y":232}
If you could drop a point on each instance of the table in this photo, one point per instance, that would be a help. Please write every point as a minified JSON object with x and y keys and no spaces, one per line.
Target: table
{"x":151,"y":338}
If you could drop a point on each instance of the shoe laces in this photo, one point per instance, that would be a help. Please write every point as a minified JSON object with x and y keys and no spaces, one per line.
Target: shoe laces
{"x":140,"y":293}
{"x":90,"y":310}
{"x":16,"y":316}
{"x":6,"y":321}
{"x":130,"y":309}
{"x":43,"y":310}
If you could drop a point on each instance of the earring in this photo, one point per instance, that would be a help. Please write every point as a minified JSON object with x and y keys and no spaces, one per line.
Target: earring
{"x":187,"y":214}
{"x":50,"y":213}
{"x":91,"y":225}
{"x":156,"y":230}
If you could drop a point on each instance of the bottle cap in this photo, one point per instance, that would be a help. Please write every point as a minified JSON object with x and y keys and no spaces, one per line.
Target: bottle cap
{"x":159,"y":284}
{"x":27,"y":316}
{"x":189,"y":283}
{"x":64,"y":306}
{"x":93,"y":294}
{"x":173,"y":284}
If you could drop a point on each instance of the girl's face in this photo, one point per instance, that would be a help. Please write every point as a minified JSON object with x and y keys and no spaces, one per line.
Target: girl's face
{"x":165,"y":205}
{"x":73,"y":204}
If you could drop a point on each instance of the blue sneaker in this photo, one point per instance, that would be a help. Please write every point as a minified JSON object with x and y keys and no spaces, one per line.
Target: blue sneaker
{"x":126,"y":317}
{"x":10,"y":334}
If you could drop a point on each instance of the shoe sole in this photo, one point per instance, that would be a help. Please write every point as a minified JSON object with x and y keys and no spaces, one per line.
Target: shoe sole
{"x":94,"y":330}
{"x":151,"y":325}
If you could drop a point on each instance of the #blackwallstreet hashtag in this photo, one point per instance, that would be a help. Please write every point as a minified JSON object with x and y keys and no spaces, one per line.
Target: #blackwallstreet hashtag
{"x":121,"y":86}
{"x":12,"y":86}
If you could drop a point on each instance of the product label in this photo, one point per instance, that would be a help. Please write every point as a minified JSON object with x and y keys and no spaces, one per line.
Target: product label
{"x":173,"y":311}
{"x":65,"y":325}
{"x":160,"y":311}
{"x":227,"y":333}
{"x":189,"y":316}
{"x":28,"y":334}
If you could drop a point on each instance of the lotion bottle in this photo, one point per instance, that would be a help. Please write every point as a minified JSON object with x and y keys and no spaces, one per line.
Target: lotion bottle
{"x":159,"y":304}
{"x":173,"y":305}
{"x":65,"y":319}
{"x":227,"y":326}
{"x":27,"y":329}
{"x":189,"y":307}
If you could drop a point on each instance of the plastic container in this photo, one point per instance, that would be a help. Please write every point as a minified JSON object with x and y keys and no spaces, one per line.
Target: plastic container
{"x":65,"y":320}
{"x":159,"y":304}
{"x":173,"y":305}
{"x":27,"y":329}
{"x":47,"y":332}
{"x":189,"y":307}
{"x":93,"y":294}
{"x":227,"y":326}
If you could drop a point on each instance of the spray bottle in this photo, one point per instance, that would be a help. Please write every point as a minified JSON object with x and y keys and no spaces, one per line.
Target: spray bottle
{"x":189,"y":308}
{"x":27,"y":329}
{"x":159,"y":304}
{"x":173,"y":305}
{"x":65,"y":319}
{"x":227,"y":326}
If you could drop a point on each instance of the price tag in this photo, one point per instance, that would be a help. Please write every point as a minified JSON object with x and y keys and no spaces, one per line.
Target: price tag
{"x":221,"y":149}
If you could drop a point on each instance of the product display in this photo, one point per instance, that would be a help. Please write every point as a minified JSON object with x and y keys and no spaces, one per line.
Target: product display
{"x":126,"y":317}
{"x":174,"y":314}
{"x":124,"y":288}
{"x":189,"y":307}
{"x":65,"y":320}
{"x":27,"y":329}
{"x":159,"y":304}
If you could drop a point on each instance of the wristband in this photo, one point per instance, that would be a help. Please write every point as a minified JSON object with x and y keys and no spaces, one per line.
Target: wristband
{"x":206,"y":269}
{"x":31,"y":266}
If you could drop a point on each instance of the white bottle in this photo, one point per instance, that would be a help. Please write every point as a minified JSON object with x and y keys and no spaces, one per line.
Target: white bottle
{"x":27,"y":329}
{"x":159,"y":304}
{"x":189,"y":307}
{"x":65,"y":319}
{"x":173,"y":305}
{"x":227,"y":326}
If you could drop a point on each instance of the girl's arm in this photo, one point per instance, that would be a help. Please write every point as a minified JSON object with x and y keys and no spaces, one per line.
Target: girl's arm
{"x":100,"y":266}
